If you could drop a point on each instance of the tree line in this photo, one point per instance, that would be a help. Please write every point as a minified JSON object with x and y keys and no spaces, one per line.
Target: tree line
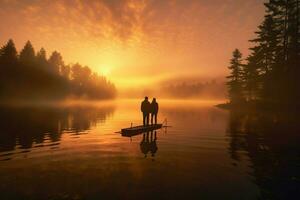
{"x":271,"y":73}
{"x":211,"y":89}
{"x":30,"y":75}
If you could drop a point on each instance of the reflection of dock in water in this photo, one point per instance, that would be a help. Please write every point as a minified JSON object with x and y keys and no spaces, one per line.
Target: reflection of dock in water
{"x":148,"y":144}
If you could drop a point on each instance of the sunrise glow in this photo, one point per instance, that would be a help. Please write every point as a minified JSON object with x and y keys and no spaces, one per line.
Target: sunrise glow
{"x":142,"y":40}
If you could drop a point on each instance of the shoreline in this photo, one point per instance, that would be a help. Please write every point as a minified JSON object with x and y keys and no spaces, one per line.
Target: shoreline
{"x":259,"y":106}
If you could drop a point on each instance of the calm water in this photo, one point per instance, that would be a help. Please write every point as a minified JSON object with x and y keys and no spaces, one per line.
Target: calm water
{"x":74,"y":152}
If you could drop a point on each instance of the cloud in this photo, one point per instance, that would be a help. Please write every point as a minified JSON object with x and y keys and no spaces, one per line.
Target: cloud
{"x":137,"y":36}
{"x":122,"y":18}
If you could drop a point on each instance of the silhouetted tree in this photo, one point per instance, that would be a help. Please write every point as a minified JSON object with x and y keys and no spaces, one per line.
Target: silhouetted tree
{"x":251,"y":79}
{"x":272,"y":71}
{"x":235,"y":84}
{"x":65,"y":71}
{"x":80,"y":74}
{"x":55,"y":62}
{"x":90,"y":85}
{"x":293,"y":59}
{"x":34,"y":77}
{"x":265,"y":57}
{"x":27,"y":55}
{"x":8,"y":54}
{"x":8,"y":68}
{"x":42,"y":58}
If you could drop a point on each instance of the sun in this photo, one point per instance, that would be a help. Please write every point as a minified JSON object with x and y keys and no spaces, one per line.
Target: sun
{"x":105,"y":71}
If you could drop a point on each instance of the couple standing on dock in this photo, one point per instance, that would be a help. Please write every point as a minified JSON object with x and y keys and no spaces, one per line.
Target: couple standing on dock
{"x":148,"y":108}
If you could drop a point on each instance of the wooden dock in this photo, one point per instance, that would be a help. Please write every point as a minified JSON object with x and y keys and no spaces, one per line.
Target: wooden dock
{"x":135,"y":130}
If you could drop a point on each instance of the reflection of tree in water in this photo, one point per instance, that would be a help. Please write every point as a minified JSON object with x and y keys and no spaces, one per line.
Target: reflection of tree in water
{"x":148,"y":144}
{"x":25,"y":126}
{"x":272,"y":144}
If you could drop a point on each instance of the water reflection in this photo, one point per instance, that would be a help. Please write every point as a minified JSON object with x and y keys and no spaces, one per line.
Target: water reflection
{"x":271,"y":143}
{"x":148,"y":144}
{"x":28,"y":127}
{"x":208,"y":153}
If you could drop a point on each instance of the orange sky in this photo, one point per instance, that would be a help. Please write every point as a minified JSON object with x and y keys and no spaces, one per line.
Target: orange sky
{"x":136,"y":42}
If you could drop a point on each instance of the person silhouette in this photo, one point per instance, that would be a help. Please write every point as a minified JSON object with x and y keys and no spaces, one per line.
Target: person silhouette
{"x":152,"y":145}
{"x":144,"y":145}
{"x":154,"y":111}
{"x":145,"y":108}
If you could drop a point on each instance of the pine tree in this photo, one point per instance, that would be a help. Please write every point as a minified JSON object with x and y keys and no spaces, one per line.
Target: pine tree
{"x":35,"y":77}
{"x":41,"y":56}
{"x":251,"y":79}
{"x":41,"y":59}
{"x":8,"y":68}
{"x":27,"y":54}
{"x":292,"y":62}
{"x":8,"y":55}
{"x":297,"y":57}
{"x":55,"y":62}
{"x":272,"y":72}
{"x":235,"y":83}
{"x":264,"y":57}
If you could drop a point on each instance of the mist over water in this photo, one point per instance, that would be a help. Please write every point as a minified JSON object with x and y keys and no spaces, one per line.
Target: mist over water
{"x":81,"y":80}
{"x":73,"y":152}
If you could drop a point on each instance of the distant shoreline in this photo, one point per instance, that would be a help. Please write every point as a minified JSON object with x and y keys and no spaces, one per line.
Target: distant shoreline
{"x":260,"y":106}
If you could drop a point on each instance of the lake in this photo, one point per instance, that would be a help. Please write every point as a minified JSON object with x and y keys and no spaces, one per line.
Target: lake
{"x":74,"y":151}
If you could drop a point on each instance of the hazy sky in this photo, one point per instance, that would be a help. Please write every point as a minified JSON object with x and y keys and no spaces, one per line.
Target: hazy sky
{"x":135,"y":42}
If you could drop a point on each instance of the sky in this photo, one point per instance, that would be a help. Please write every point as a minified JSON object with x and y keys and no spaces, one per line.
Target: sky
{"x":136,"y":43}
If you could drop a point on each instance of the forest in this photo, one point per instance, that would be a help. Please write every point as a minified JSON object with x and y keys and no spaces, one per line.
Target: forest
{"x":206,"y":89}
{"x":30,"y":75}
{"x":270,"y":75}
